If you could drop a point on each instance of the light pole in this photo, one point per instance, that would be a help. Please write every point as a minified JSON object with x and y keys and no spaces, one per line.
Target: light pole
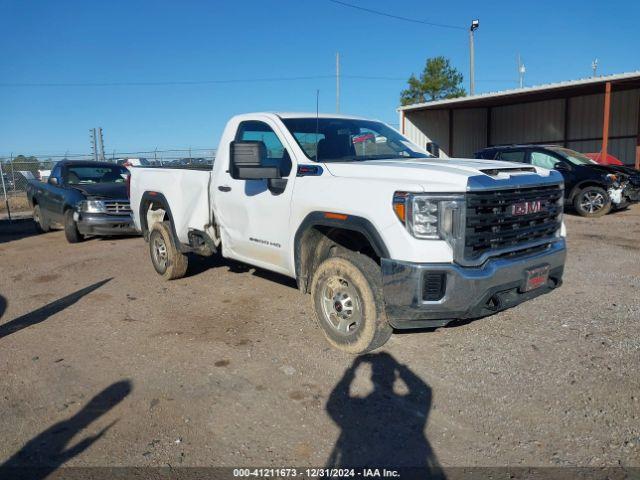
{"x":472,"y":77}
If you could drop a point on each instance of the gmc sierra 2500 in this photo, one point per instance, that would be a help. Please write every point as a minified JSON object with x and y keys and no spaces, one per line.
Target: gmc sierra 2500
{"x":380,"y":233}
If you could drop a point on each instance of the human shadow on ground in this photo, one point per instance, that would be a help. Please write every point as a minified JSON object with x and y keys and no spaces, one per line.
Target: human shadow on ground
{"x":47,"y":451}
{"x":3,"y":305}
{"x":385,"y":428}
{"x":42,"y":313}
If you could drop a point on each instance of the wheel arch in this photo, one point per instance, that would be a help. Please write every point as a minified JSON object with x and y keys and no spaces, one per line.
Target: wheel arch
{"x":586,"y":183}
{"x":319,"y":231}
{"x":156,"y":199}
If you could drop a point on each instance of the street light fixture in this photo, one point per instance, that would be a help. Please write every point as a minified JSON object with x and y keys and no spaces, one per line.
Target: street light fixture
{"x":472,"y":81}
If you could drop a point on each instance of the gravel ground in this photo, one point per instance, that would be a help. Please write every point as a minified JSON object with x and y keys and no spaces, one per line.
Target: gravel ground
{"x":105,"y":364}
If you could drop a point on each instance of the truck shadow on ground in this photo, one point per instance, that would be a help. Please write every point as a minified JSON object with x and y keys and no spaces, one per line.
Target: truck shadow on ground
{"x":198,"y":265}
{"x":43,"y":313}
{"x":44,"y":453}
{"x":17,"y":229}
{"x":385,"y":428}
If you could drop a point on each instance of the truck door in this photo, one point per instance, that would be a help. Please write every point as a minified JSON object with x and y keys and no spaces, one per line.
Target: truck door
{"x":52,"y":195}
{"x":254,"y":220}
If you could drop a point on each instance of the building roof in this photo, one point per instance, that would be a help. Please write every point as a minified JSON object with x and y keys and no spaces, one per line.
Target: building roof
{"x":584,"y":86}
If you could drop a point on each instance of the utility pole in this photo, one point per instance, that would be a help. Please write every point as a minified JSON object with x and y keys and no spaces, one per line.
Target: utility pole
{"x":594,"y":67}
{"x":472,"y":76}
{"x":94,"y":147}
{"x":100,"y":145}
{"x":337,"y":82}
{"x":4,"y":190}
{"x":521,"y":71}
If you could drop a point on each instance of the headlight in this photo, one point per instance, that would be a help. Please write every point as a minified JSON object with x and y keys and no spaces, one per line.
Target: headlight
{"x":93,"y":206}
{"x":430,"y":217}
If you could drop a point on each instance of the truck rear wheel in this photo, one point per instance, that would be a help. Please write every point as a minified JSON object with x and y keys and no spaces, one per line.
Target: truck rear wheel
{"x":347,"y":297}
{"x":168,"y":261}
{"x":41,"y":225}
{"x":71,"y":228}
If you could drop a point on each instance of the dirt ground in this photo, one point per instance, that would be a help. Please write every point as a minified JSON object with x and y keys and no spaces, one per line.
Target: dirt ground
{"x":103,"y":363}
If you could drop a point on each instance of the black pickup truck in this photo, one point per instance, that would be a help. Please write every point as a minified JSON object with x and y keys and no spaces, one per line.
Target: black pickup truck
{"x":84,"y":198}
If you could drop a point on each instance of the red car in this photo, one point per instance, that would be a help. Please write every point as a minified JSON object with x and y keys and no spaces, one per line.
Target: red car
{"x":364,"y":137}
{"x":610,"y":160}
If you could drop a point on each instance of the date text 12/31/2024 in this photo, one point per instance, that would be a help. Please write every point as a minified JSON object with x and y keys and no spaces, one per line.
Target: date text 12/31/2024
{"x":316,"y":472}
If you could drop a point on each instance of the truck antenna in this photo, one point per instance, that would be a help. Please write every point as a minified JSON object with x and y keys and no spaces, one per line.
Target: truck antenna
{"x":317,"y":120}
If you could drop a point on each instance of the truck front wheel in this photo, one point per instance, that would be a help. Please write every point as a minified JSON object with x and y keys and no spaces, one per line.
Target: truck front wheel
{"x":71,"y":228}
{"x":168,"y":261}
{"x":347,"y":297}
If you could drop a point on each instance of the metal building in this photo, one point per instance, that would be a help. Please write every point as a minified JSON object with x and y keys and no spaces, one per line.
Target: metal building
{"x":600,"y":114}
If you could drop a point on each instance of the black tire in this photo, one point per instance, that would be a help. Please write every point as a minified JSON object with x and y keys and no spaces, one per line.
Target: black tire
{"x":346,"y":291}
{"x":71,"y":229}
{"x":41,"y":224}
{"x":168,"y":261}
{"x":592,"y":202}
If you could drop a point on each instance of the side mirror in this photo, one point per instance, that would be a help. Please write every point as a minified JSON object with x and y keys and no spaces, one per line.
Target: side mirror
{"x":561,"y":166}
{"x":247,"y":161}
{"x":53,"y":180}
{"x":433,"y":148}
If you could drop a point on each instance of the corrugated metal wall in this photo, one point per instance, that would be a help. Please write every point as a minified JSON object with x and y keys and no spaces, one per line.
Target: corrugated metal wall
{"x":528,"y":122}
{"x":428,"y":126}
{"x":534,"y":122}
{"x":469,"y":131}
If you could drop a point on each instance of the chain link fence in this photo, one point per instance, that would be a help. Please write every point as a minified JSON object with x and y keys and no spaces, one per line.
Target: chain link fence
{"x":15,"y":172}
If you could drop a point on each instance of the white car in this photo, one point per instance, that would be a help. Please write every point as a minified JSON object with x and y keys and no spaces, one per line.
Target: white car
{"x":133,"y":162}
{"x":382,"y":238}
{"x":43,"y":175}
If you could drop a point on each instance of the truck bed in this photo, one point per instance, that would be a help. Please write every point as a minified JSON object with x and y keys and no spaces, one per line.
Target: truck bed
{"x":185,"y":188}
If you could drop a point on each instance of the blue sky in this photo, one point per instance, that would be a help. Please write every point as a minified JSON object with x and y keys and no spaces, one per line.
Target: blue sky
{"x":163,"y":41}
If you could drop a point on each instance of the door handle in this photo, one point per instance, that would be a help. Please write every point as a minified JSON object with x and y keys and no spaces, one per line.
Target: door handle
{"x":224,"y":188}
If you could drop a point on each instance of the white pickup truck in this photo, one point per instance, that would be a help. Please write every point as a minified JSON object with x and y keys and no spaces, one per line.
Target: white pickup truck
{"x":382,"y":234}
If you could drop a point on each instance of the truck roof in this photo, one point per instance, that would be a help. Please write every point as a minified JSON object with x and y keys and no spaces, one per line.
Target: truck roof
{"x":92,"y":163}
{"x":304,"y":115}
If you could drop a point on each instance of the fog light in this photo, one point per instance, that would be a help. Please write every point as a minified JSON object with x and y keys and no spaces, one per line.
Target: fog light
{"x":434,"y":285}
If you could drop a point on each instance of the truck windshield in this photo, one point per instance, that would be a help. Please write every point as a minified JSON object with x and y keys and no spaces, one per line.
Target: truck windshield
{"x":78,"y":175}
{"x":350,"y":140}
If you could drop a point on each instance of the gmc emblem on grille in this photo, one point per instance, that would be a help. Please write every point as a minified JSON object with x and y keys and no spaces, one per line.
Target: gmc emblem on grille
{"x":524,"y":208}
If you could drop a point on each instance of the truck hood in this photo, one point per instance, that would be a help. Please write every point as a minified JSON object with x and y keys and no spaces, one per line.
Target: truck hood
{"x":435,"y":175}
{"x":102,"y":190}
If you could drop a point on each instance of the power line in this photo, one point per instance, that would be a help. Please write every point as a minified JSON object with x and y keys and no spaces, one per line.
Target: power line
{"x":194,"y":82}
{"x":165,"y":83}
{"x":397,"y":17}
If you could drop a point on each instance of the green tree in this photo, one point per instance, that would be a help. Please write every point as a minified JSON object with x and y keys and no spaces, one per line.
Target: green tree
{"x":438,"y":80}
{"x":22,"y":163}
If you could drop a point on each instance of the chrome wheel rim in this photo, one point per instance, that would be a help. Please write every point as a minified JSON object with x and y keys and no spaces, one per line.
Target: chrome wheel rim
{"x":159,"y":250}
{"x":592,"y":202}
{"x":341,"y":305}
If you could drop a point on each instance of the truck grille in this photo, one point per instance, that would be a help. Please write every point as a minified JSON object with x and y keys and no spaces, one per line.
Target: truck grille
{"x":509,"y":219}
{"x":118,"y":207}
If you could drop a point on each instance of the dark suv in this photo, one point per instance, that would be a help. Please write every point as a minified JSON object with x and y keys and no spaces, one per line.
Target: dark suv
{"x":591,"y":188}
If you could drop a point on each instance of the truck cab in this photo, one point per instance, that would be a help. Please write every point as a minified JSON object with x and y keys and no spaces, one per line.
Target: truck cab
{"x":382,"y":234}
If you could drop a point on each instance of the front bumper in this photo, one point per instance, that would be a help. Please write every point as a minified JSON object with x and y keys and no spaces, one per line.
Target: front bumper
{"x":470,"y":292}
{"x":104,"y":224}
